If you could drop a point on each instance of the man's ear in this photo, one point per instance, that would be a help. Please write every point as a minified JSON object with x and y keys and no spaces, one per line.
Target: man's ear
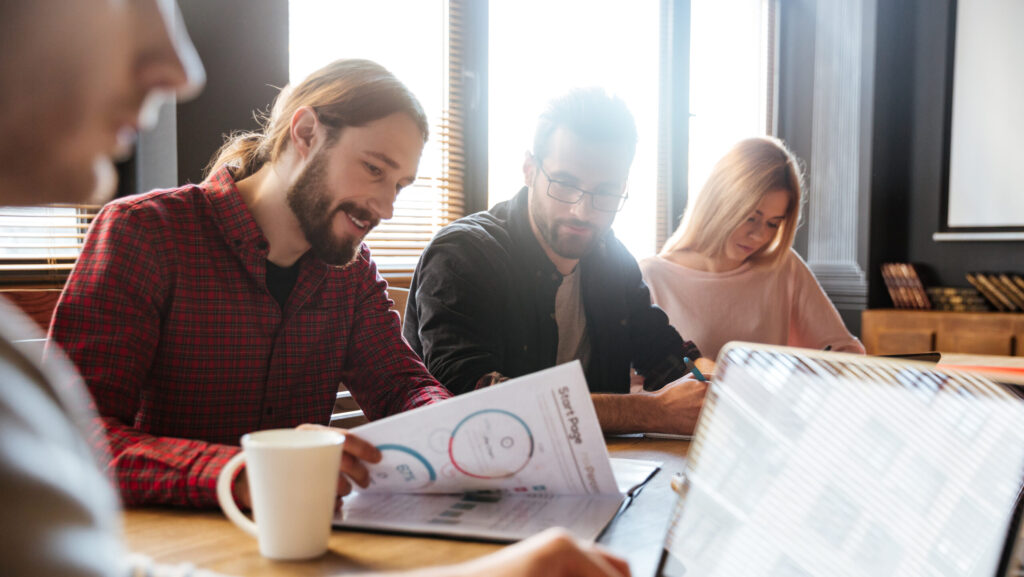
{"x":529,"y":169}
{"x":305,"y":130}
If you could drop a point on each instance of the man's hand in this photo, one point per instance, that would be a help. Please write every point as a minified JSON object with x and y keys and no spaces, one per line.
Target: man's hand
{"x":553,"y":553}
{"x":707,"y":367}
{"x":679,"y":404}
{"x":354,"y":452}
{"x":491,"y":378}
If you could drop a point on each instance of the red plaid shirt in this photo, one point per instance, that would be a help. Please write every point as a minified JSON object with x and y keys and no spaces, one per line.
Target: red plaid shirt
{"x":168,"y":317}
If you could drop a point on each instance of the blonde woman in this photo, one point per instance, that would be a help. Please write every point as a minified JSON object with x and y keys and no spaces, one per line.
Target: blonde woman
{"x":730,"y":273}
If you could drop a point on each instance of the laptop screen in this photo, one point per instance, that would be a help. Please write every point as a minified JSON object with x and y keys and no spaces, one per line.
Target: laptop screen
{"x":808,"y":463}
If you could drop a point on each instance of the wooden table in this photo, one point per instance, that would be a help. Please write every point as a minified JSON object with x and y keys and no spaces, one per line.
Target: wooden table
{"x":981,"y":360}
{"x":210,"y":541}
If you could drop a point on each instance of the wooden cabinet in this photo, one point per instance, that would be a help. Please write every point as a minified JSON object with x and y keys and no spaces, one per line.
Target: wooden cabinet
{"x":891,"y":331}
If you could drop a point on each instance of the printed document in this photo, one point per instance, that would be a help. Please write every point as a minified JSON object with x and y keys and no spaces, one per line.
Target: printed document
{"x":497,"y":464}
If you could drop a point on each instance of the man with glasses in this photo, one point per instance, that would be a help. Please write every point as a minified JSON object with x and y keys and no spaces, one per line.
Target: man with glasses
{"x":541,"y":280}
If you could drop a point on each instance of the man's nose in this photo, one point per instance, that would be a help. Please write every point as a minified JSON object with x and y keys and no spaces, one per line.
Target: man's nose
{"x":383,"y":203}
{"x":584,"y":208}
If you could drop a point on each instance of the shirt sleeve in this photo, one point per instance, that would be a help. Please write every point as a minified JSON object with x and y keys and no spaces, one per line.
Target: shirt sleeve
{"x":108,"y":321}
{"x":657,"y":348}
{"x":383,"y":374}
{"x":456,"y":291}
{"x":815,"y":321}
{"x":59,"y":512}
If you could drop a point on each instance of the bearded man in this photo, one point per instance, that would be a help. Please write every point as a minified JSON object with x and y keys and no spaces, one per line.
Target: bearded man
{"x":541,"y":280}
{"x":201,"y":313}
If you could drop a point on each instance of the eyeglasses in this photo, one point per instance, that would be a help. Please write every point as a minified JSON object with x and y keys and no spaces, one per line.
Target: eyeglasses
{"x":569,"y":194}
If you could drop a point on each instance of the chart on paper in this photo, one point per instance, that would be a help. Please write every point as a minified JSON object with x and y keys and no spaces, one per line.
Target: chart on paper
{"x":534,"y":434}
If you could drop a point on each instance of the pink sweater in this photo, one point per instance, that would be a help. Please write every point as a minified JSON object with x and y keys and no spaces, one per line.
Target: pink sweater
{"x":781,"y":305}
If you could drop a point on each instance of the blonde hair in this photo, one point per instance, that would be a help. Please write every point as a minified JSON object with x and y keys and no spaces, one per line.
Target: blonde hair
{"x":344,"y":93}
{"x":740,"y":179}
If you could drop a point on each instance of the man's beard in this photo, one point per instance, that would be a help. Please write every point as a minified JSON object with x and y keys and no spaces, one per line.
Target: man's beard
{"x":311,"y":205}
{"x":564,"y":247}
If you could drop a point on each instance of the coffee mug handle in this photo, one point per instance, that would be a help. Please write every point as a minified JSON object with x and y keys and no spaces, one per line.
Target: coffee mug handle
{"x":227,"y":500}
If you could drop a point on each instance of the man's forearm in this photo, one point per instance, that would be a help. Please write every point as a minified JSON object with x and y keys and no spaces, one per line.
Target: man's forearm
{"x":633,"y":413}
{"x":153,"y":470}
{"x":673,"y":409}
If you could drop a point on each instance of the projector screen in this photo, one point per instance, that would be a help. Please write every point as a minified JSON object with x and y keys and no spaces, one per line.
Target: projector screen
{"x":986,"y":144}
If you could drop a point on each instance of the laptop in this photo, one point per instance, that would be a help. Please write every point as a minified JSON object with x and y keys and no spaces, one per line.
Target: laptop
{"x":808,"y":463}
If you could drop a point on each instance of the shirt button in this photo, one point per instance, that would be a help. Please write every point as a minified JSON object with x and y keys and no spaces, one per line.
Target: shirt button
{"x":270,"y":411}
{"x":237,"y":242}
{"x":524,"y":348}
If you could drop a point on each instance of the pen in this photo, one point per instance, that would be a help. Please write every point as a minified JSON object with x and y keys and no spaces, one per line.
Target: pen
{"x":693,"y":369}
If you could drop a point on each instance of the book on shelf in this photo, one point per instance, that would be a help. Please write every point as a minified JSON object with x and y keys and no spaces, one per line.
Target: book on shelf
{"x":1015,"y":293}
{"x":904,"y":285}
{"x":992,"y":288}
{"x":963,"y":299}
{"x":1018,"y":280}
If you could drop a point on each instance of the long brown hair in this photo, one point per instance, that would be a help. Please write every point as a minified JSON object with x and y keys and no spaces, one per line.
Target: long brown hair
{"x":751,"y":169}
{"x":349,"y":92}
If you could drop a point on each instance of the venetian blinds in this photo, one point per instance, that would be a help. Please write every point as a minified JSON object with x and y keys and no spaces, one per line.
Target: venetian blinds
{"x":39,"y":244}
{"x":436,"y":198}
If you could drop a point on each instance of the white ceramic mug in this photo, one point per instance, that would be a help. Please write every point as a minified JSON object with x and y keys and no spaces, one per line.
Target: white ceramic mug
{"x":293,"y":479}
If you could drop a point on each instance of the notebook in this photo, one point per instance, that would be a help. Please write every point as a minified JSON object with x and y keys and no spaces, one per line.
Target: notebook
{"x":809,"y":463}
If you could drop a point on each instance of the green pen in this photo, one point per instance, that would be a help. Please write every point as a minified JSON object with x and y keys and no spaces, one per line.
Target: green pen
{"x":693,"y":369}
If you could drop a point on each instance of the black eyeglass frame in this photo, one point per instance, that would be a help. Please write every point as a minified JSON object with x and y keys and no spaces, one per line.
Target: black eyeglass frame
{"x":593,"y":195}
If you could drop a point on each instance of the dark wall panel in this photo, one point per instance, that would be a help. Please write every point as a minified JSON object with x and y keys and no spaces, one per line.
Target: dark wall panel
{"x":911,"y":129}
{"x":244,"y":48}
{"x":891,"y":142}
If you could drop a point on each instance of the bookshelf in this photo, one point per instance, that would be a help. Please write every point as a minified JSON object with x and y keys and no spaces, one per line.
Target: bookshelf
{"x":894,"y":331}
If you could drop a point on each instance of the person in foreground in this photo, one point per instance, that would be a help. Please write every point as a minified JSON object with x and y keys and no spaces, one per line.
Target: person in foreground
{"x":540,"y":280}
{"x":730,"y":273}
{"x":83,"y":70}
{"x":202,"y":313}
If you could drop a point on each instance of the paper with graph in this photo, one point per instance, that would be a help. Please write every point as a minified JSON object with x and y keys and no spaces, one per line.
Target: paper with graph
{"x":500,"y":463}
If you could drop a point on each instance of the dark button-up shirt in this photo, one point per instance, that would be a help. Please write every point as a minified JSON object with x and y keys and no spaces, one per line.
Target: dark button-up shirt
{"x":168,"y":317}
{"x":482,"y":299}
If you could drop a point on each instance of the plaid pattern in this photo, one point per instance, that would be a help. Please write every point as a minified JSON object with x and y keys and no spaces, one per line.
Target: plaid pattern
{"x":170,"y":322}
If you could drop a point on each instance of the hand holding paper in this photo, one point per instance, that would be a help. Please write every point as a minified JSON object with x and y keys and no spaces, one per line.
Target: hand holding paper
{"x":532,"y":445}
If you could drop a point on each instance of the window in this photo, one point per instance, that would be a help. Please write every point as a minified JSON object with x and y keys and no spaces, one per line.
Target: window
{"x":39,"y":244}
{"x":422,"y":49}
{"x":731,"y":80}
{"x":539,"y":49}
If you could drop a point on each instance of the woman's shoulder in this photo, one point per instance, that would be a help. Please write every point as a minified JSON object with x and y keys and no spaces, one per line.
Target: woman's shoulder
{"x":660,"y":265}
{"x":793,"y":265}
{"x":651,"y":262}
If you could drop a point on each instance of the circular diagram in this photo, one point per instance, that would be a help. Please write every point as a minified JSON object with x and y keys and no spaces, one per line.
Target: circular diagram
{"x":490,"y":444}
{"x":401,"y":469}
